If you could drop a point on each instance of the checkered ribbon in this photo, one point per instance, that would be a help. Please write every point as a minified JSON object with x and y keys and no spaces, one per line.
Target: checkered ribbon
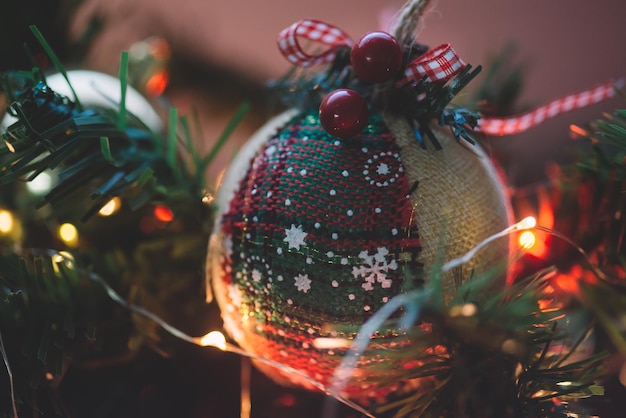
{"x":520,"y":123}
{"x":315,"y":31}
{"x":439,"y":64}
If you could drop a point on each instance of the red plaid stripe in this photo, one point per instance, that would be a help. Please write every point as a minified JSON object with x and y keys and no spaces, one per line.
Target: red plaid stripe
{"x":520,"y":123}
{"x":438,"y":64}
{"x":315,"y":31}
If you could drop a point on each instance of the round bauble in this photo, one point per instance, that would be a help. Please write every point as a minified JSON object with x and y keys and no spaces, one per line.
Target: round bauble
{"x":314,"y":234}
{"x":99,"y":90}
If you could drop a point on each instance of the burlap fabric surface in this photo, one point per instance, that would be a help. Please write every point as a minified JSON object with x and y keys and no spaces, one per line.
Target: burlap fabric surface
{"x":314,"y":234}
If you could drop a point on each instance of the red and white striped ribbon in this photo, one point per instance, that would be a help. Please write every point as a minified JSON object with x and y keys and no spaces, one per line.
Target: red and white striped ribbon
{"x":438,"y":64}
{"x":311,"y":30}
{"x":520,"y":123}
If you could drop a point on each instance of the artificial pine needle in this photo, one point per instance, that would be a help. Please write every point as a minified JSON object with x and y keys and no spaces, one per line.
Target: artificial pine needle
{"x":121,"y":116}
{"x":171,"y":143}
{"x":105,"y":148}
{"x":55,"y":60}
{"x":188,"y":138}
{"x":226,"y":133}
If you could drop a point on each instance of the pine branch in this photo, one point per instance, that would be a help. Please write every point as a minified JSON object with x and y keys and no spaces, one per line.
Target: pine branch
{"x":486,"y":353}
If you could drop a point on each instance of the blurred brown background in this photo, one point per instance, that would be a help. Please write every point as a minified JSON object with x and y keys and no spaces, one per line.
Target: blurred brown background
{"x":223,"y":51}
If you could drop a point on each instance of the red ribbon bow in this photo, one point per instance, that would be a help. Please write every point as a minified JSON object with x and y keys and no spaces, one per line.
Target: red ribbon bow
{"x":312,"y":30}
{"x":438,"y":64}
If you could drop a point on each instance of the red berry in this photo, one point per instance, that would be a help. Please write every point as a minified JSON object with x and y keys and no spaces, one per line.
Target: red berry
{"x":343,"y":113}
{"x":377,"y":57}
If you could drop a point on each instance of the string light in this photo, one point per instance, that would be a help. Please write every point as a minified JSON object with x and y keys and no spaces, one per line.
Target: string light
{"x":358,"y":345}
{"x":528,"y":222}
{"x":213,"y":339}
{"x":527,"y":240}
{"x":217,"y":340}
{"x":156,"y":84}
{"x":9,"y":146}
{"x":163,"y":213}
{"x":525,"y":224}
{"x":69,"y":234}
{"x":40,"y":184}
{"x":6,"y":221}
{"x":111,"y":207}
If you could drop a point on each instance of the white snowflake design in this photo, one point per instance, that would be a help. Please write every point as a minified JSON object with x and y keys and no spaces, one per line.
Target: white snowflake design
{"x":295,"y":236}
{"x":375,"y":268}
{"x":256,"y":275}
{"x":303,"y":283}
{"x":383,"y":169}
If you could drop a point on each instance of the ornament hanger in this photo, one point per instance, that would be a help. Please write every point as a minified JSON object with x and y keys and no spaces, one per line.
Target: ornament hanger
{"x":429,"y":78}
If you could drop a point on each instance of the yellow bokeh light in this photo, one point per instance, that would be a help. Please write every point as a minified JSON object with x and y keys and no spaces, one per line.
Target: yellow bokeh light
{"x":69,"y":234}
{"x":527,"y":240}
{"x":111,"y":207}
{"x":6,"y":221}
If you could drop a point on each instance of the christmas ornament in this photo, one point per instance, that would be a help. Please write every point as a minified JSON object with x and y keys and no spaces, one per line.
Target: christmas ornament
{"x":323,"y":219}
{"x":100,"y":91}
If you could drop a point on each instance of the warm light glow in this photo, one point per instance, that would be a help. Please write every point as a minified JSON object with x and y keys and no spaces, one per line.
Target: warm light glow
{"x":467,"y":310}
{"x":330,"y":343}
{"x":214,"y":339}
{"x":40,"y":184}
{"x":69,"y":234}
{"x":527,"y":223}
{"x":527,"y":240}
{"x":63,"y":257}
{"x":111,"y":207}
{"x":208,"y":198}
{"x":163,"y":213}
{"x":156,"y":84}
{"x":6,"y":221}
{"x":577,"y":130}
{"x":9,"y":146}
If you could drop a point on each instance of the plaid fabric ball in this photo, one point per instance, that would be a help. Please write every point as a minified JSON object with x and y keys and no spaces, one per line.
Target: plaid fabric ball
{"x":314,"y":234}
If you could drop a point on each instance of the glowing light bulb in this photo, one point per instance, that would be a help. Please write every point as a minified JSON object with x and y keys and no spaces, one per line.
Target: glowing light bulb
{"x":6,"y":221}
{"x":40,"y":184}
{"x":527,"y":240}
{"x":69,"y":234}
{"x":9,"y":146}
{"x":156,"y":84}
{"x":214,"y":339}
{"x":63,"y":257}
{"x":163,"y":213}
{"x":110,"y":207}
{"x":527,"y":223}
